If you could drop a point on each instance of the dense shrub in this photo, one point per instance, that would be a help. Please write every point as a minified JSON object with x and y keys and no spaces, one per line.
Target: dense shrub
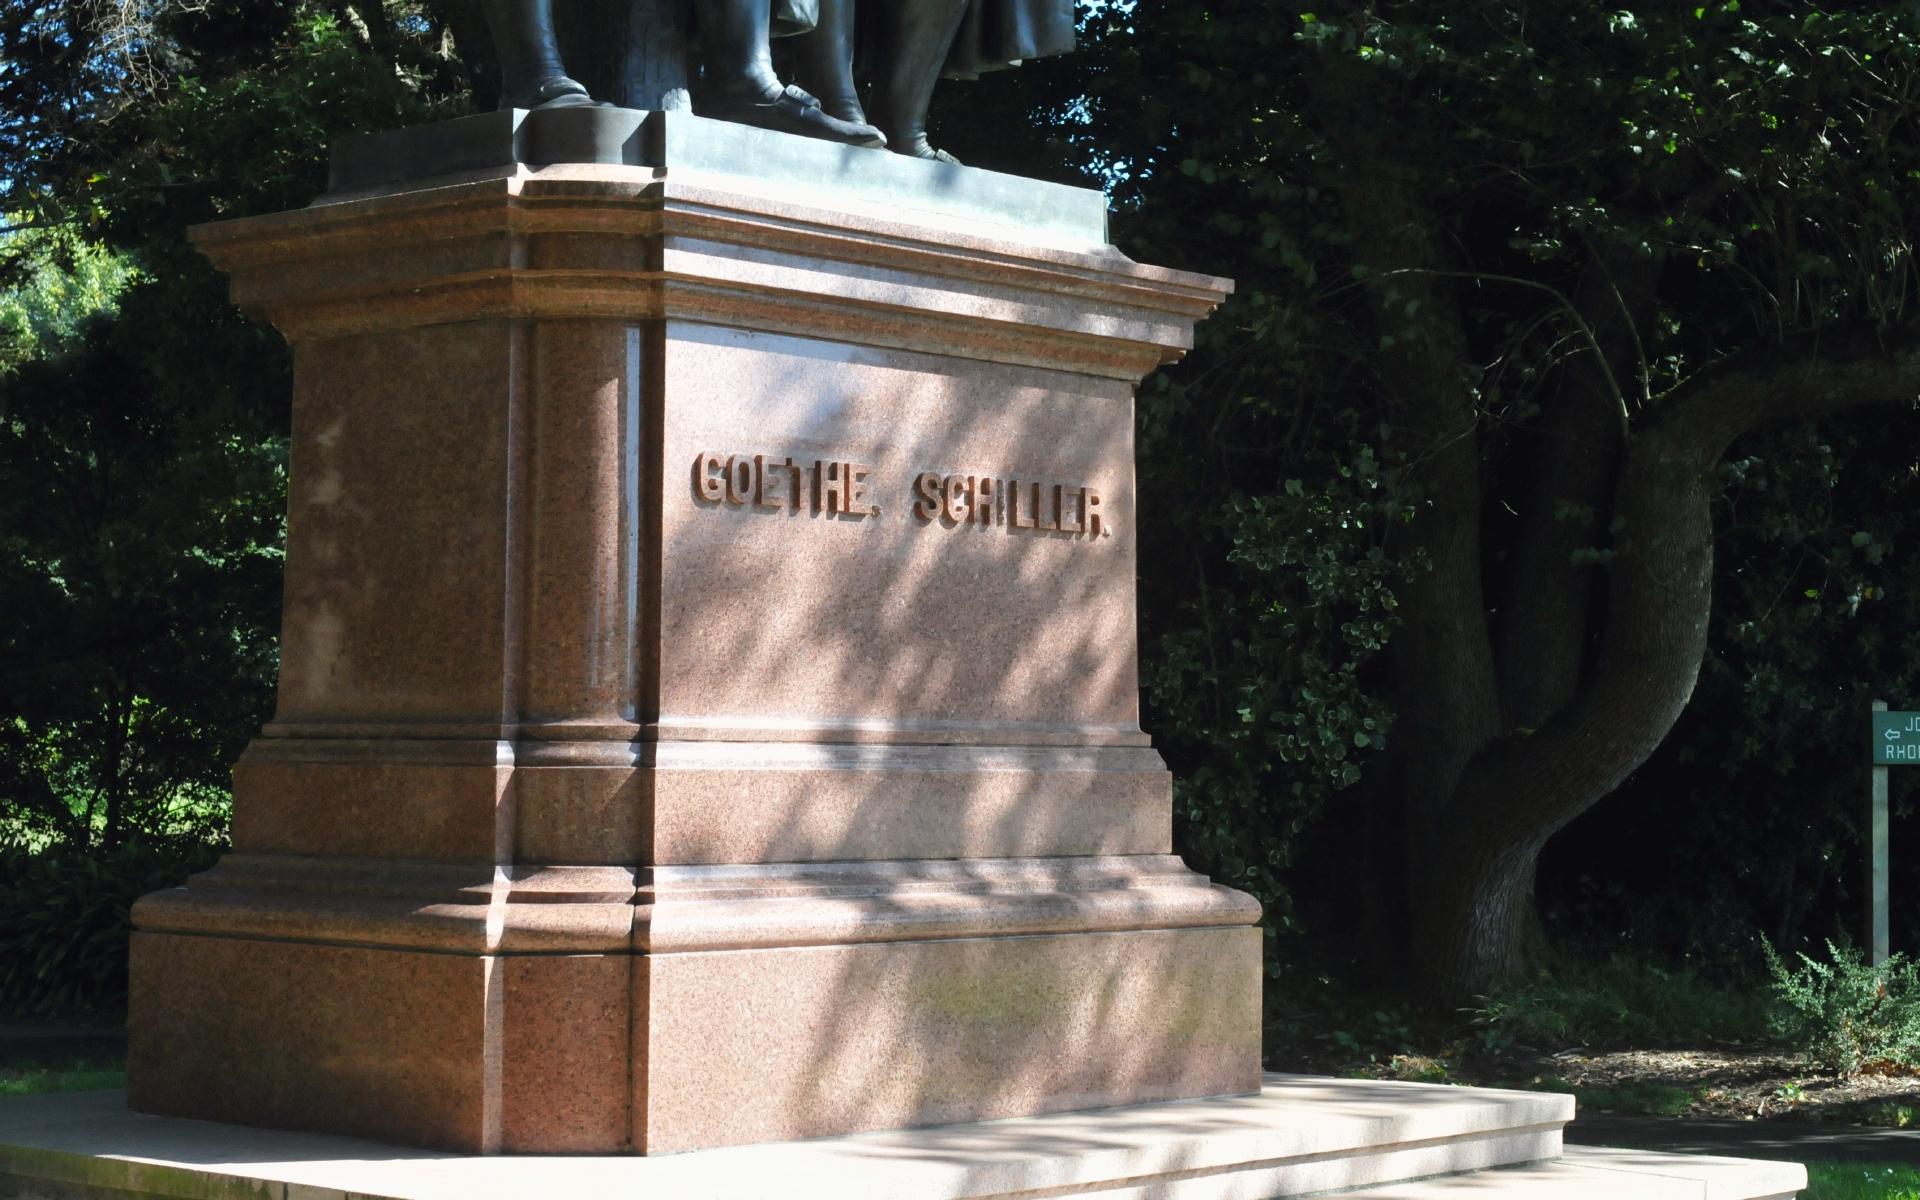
{"x":1620,"y":1002}
{"x":64,"y":920}
{"x":1846,"y":1014}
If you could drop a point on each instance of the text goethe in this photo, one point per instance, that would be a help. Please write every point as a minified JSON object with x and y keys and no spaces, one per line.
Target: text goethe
{"x":948,"y":500}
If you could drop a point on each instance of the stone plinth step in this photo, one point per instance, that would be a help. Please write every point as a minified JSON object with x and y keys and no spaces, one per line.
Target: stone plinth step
{"x":1299,"y":1136}
{"x":1594,"y":1173}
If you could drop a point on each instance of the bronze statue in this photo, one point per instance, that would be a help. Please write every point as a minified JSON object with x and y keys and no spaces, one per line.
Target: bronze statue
{"x":740,"y":83}
{"x":902,"y":46}
{"x":907,"y":45}
{"x":530,"y":72}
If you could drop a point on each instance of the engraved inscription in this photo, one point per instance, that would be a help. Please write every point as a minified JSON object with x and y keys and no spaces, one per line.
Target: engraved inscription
{"x":778,"y":481}
{"x":960,"y":500}
{"x":706,"y":477}
{"x":955,"y":501}
{"x":929,"y":488}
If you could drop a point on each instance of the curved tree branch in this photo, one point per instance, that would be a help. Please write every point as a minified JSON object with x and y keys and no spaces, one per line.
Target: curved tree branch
{"x":1542,"y":636}
{"x":1567,"y":306}
{"x":1522,"y":789}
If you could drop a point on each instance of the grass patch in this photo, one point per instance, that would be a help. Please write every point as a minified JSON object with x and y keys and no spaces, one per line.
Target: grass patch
{"x":1619,"y":1003}
{"x":1861,"y":1181}
{"x":1888,"y":1114}
{"x":1649,"y":1099}
{"x":80,"y":1077}
{"x":1654,"y":1099}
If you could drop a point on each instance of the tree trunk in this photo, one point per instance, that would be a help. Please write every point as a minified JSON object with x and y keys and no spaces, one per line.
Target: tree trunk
{"x":1488,"y":762}
{"x":1543,"y":623}
{"x":1444,"y":693}
{"x":1441,"y":680}
{"x":1470,"y":931}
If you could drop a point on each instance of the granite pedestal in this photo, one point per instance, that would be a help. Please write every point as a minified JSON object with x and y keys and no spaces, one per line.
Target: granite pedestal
{"x":708,"y":709}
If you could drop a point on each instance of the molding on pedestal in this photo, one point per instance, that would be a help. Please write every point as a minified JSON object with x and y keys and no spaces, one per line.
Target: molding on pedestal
{"x":670,"y":729}
{"x":473,"y":747}
{"x":483,"y":909}
{"x":636,"y":244}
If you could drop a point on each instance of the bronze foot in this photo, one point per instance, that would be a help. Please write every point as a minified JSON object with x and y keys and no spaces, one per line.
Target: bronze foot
{"x":555,"y":91}
{"x":794,"y":111}
{"x":918,"y":147}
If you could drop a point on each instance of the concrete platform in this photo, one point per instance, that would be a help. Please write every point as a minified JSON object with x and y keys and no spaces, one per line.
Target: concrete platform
{"x":1592,"y":1173}
{"x":1302,"y":1135}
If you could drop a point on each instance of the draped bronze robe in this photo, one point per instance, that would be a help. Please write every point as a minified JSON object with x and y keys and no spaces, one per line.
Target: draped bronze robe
{"x":996,"y":34}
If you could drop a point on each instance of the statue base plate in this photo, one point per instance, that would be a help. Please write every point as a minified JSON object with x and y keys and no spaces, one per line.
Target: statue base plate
{"x":803,"y":169}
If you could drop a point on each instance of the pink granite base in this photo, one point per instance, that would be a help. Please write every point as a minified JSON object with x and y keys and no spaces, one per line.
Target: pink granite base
{"x":697,"y":802}
{"x":610,"y":808}
{"x":371,"y":1043}
{"x":565,"y":1041}
{"x":773,"y":1045}
{"x":601,"y":1054}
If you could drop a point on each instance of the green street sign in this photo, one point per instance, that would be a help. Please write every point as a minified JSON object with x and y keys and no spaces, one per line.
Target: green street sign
{"x":1896,"y":739}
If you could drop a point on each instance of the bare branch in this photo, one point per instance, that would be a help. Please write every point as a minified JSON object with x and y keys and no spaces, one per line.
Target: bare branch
{"x":1586,"y":330}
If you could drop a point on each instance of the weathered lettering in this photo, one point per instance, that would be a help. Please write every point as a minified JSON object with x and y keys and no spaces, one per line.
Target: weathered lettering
{"x":928,"y":487}
{"x":739,"y":479}
{"x":839,"y":487}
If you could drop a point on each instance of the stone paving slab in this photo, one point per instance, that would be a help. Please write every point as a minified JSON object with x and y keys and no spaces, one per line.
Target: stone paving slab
{"x":1302,"y":1135}
{"x":1589,"y":1173}
{"x":1299,"y":1136}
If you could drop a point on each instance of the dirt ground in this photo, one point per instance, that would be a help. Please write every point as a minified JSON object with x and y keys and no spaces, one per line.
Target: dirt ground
{"x":1723,"y":1082}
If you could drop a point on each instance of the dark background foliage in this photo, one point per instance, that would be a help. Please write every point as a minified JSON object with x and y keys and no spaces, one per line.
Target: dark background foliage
{"x":142,"y":453}
{"x":1746,"y":823}
{"x":1748,"y":820}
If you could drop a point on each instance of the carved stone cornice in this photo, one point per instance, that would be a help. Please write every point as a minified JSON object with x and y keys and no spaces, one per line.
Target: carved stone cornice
{"x":635,"y":244}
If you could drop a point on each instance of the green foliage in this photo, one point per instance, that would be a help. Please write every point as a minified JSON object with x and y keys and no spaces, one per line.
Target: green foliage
{"x":42,"y":1081}
{"x":64,"y":280}
{"x":1846,"y":1014}
{"x":1377,"y":1033}
{"x":143,"y":440}
{"x":143,"y":420}
{"x":138,"y":654}
{"x":1262,"y":692}
{"x":1889,"y":1114}
{"x":1861,"y":1181}
{"x":252,"y":136}
{"x":1647,"y":1099}
{"x":64,"y":920}
{"x":1620,"y":1002}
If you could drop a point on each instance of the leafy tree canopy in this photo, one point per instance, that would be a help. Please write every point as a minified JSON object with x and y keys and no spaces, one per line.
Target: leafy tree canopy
{"x":1521,"y":255}
{"x":142,"y":433}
